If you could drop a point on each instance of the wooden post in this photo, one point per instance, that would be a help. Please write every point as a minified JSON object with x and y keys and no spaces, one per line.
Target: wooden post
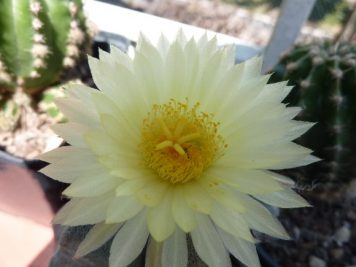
{"x":292,"y":16}
{"x":348,"y":33}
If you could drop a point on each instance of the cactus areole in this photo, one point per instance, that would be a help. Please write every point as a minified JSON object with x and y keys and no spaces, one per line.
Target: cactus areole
{"x":38,"y":38}
{"x":325,"y":79}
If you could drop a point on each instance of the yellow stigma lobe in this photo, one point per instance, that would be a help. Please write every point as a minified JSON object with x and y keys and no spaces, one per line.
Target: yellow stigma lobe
{"x":178,"y":143}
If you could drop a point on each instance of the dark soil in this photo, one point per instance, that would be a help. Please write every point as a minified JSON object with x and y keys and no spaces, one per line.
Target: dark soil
{"x":323,"y":235}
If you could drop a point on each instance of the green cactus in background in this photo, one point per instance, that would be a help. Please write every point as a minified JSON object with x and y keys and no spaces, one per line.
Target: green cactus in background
{"x":325,"y":79}
{"x":38,"y":40}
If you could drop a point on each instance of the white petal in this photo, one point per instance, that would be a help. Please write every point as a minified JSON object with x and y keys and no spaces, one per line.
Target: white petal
{"x":283,"y":199}
{"x":81,"y":211}
{"x":63,"y":152}
{"x":96,"y":237}
{"x":129,"y":241}
{"x":67,"y":170}
{"x":122,"y":209}
{"x":72,"y":132}
{"x":101,"y":143}
{"x":151,"y":195}
{"x":163,"y":45}
{"x":106,"y":105}
{"x":277,"y":156}
{"x":160,"y":219}
{"x":241,"y":249}
{"x":120,"y":84}
{"x":146,"y":49}
{"x":247,"y":181}
{"x":175,"y":74}
{"x":207,"y":83}
{"x":82,"y":94}
{"x":182,"y":213}
{"x":275,"y":92}
{"x":252,"y":68}
{"x":120,"y":131}
{"x":208,"y":245}
{"x":231,"y":222}
{"x":120,"y":57}
{"x":260,"y":219}
{"x":77,"y":111}
{"x":148,"y":73}
{"x":130,"y":187}
{"x":197,"y":197}
{"x":222,"y":194}
{"x":243,"y":98}
{"x":91,"y":185}
{"x":175,"y":251}
{"x":298,"y":129}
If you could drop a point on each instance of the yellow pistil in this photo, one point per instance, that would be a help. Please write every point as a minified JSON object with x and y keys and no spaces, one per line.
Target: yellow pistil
{"x":178,"y":143}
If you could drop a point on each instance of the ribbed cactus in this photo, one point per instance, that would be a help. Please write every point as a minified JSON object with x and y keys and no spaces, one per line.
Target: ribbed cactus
{"x":38,"y":38}
{"x":325,"y":79}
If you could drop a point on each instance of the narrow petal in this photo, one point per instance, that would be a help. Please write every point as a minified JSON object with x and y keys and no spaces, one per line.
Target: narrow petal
{"x":242,"y":250}
{"x":260,"y":219}
{"x":114,"y":82}
{"x":129,"y":241}
{"x":183,"y":215}
{"x":152,"y":194}
{"x":252,"y":68}
{"x":222,"y":194}
{"x":130,"y":186}
{"x":122,"y":208}
{"x":160,"y":219}
{"x":283,"y":199}
{"x":91,"y":185}
{"x":96,"y":237}
{"x":81,"y":211}
{"x":119,"y":131}
{"x":115,"y":57}
{"x":247,"y":181}
{"x":231,"y":222}
{"x":120,"y":57}
{"x":175,"y":250}
{"x":275,"y":92}
{"x":100,"y":142}
{"x":208,"y":245}
{"x":72,"y":132}
{"x":77,"y":111}
{"x":106,"y":105}
{"x":63,"y":152}
{"x":67,"y":170}
{"x":197,"y":198}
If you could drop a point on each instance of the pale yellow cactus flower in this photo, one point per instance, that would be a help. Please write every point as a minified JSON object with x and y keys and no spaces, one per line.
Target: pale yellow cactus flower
{"x":177,"y":141}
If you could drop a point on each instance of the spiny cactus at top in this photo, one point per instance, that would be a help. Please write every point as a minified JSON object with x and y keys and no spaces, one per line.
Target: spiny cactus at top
{"x":325,"y":79}
{"x":38,"y":38}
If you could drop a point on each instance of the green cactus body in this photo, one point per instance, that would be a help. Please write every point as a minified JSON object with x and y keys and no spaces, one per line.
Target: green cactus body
{"x":38,"y":39}
{"x":325,"y":79}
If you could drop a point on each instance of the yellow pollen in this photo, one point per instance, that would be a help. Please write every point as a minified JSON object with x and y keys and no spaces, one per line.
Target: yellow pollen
{"x":178,"y":143}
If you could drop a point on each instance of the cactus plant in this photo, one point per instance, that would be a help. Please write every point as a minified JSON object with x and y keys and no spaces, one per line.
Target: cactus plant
{"x":325,"y":79}
{"x":39,"y":38}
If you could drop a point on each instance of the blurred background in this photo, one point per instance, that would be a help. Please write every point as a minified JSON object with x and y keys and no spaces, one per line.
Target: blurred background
{"x":311,"y":43}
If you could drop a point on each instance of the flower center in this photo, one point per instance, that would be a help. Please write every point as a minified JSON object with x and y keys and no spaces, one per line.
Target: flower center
{"x":179,"y":142}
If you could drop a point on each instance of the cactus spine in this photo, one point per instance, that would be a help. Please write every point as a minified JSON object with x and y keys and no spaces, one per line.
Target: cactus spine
{"x":325,"y":79}
{"x":39,"y":38}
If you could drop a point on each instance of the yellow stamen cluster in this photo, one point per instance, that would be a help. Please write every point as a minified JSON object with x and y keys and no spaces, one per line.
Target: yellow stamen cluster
{"x":178,"y":142}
